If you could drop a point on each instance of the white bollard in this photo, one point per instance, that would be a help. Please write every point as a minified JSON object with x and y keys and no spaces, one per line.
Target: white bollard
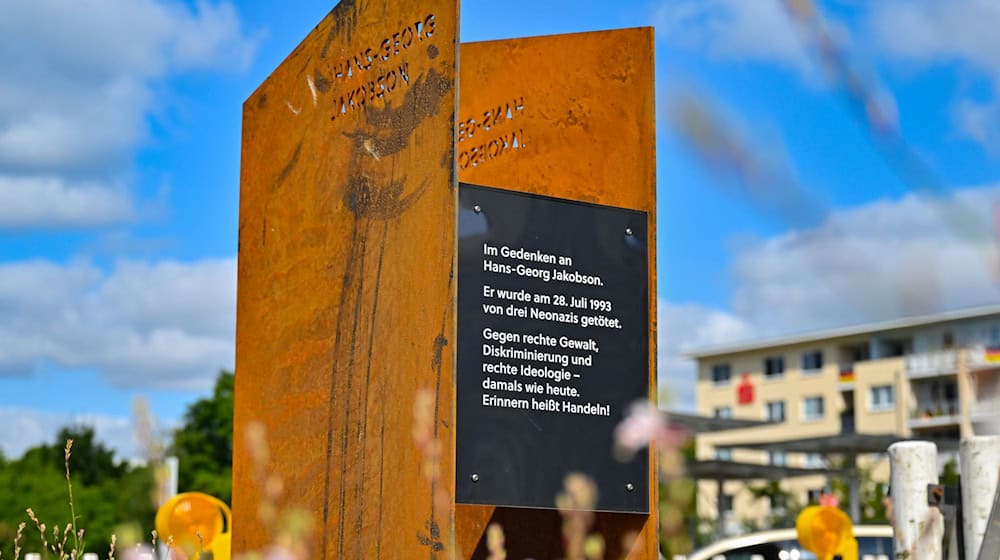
{"x":980,"y":465}
{"x":917,"y":527}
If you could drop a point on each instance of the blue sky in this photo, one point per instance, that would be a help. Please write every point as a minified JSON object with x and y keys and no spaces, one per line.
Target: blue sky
{"x":119,"y":176}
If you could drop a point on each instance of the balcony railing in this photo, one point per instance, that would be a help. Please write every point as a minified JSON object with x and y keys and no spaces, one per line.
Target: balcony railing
{"x":931,"y":364}
{"x":989,"y":407}
{"x":984,"y":357}
{"x":932,"y":414}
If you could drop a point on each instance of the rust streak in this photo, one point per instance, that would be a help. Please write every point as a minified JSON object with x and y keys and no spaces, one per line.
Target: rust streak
{"x":345,"y":19}
{"x":381,"y":475}
{"x":332,"y":399}
{"x":385,"y":132}
{"x":321,"y":82}
{"x":438,"y":346}
{"x":394,"y":125}
{"x":287,"y":169}
{"x":353,"y":325}
{"x":368,"y":372}
{"x":439,"y":343}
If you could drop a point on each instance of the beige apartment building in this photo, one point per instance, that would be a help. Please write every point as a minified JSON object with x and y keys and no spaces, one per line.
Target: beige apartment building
{"x":935,"y":376}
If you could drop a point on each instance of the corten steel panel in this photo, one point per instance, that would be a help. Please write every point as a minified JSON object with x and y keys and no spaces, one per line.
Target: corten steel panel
{"x":569,"y":116}
{"x":345,"y":299}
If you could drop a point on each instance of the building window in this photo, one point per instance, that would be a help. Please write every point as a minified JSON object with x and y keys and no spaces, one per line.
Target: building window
{"x":723,"y":412}
{"x":812,"y":362}
{"x":727,"y":503}
{"x":948,"y":339}
{"x":778,"y":502}
{"x":777,"y":458}
{"x":774,"y":366}
{"x":812,"y":408}
{"x":723,"y":454}
{"x":813,"y":461}
{"x":721,"y":374}
{"x":775,"y":411}
{"x":951,"y":391}
{"x":813,"y":495}
{"x":881,"y":397}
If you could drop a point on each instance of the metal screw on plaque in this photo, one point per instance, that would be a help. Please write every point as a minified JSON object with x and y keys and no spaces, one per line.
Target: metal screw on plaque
{"x":630,"y":487}
{"x":628,"y":231}
{"x":477,"y":209}
{"x":475,"y":476}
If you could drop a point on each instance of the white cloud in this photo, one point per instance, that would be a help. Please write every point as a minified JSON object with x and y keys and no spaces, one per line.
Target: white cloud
{"x":980,"y":122}
{"x":962,"y":32}
{"x":882,"y":260}
{"x":23,"y":428}
{"x":52,"y":203}
{"x":932,"y":31}
{"x":684,"y":327}
{"x":80,"y":81}
{"x":146,"y":325}
{"x":756,"y":31}
{"x":877,"y":261}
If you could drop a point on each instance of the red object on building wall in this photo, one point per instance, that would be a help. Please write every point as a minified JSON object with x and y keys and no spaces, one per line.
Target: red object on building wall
{"x":744,"y":391}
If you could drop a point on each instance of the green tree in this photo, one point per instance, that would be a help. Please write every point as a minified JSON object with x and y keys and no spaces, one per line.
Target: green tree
{"x":950,"y":475}
{"x":204,"y":443}
{"x":871,"y":494}
{"x":107,"y":493}
{"x":784,"y":507}
{"x":92,"y":461}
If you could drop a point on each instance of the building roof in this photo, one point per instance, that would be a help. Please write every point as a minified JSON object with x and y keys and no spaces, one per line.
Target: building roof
{"x":729,"y":470}
{"x":703,"y":424}
{"x":842,"y":332}
{"x":837,"y":444}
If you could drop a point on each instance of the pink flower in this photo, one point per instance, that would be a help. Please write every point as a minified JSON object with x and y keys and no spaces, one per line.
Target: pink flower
{"x":828,"y":500}
{"x":646,"y":423}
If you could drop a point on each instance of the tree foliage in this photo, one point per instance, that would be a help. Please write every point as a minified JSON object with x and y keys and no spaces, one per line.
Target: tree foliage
{"x":204,"y":443}
{"x":783,"y":505}
{"x":871,"y":494}
{"x":107,"y":493}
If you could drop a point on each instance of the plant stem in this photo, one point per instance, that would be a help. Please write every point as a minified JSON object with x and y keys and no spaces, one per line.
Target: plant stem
{"x":72,"y":508}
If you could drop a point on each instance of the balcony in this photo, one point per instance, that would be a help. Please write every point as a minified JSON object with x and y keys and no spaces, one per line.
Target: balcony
{"x":982,"y":357}
{"x":936,"y":414}
{"x":988,"y":408}
{"x":931,"y":364}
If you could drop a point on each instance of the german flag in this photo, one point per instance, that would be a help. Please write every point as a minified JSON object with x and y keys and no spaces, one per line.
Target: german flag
{"x":992,"y":354}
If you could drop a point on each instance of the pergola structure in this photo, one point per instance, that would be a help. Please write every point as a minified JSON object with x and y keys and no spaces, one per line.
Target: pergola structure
{"x":848,"y":445}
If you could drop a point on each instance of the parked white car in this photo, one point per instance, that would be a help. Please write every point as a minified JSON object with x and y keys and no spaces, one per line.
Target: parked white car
{"x":874,"y":543}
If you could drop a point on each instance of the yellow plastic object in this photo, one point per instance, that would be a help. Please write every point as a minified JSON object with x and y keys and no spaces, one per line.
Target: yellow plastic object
{"x":195,"y":523}
{"x":222,"y":547}
{"x":826,"y":531}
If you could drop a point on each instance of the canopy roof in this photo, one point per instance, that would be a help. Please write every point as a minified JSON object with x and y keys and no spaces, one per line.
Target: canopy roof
{"x":729,"y":470}
{"x":837,"y":444}
{"x":702,"y":424}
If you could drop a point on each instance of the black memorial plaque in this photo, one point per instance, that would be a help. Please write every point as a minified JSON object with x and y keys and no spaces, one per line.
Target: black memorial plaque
{"x":553,"y":348}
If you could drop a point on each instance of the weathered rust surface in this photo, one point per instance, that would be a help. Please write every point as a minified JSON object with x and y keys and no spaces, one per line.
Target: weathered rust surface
{"x":345,"y":298}
{"x":569,"y":116}
{"x":346,"y":259}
